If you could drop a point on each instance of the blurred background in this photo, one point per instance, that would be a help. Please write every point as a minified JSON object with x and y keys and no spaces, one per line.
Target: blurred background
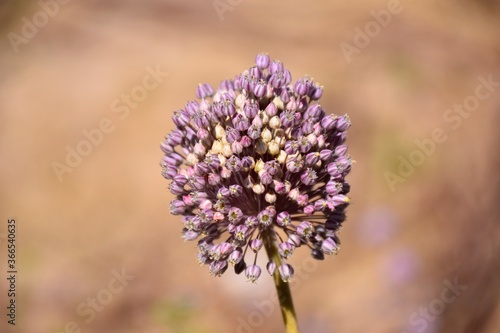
{"x":98,"y":250}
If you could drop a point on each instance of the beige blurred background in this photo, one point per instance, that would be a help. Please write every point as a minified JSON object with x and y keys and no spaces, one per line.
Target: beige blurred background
{"x":403,"y":244}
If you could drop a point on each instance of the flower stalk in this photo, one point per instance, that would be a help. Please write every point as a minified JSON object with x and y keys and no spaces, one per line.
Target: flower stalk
{"x":282,"y":288}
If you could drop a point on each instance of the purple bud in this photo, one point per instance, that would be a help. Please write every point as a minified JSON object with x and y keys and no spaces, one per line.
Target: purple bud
{"x":202,"y":134}
{"x":302,"y":86}
{"x":235,"y":190}
{"x":252,"y":273}
{"x":181,"y":118}
{"x":329,"y":122}
{"x":235,"y":257}
{"x":338,"y":200}
{"x":341,"y":150}
{"x":315,"y":92}
{"x":177,"y":207}
{"x":329,"y":246}
{"x":303,"y":200}
{"x":251,"y":108}
{"x":213,"y":179}
{"x":260,"y":88}
{"x":235,"y":214}
{"x":191,"y":108}
{"x":266,"y":178}
{"x":276,"y":66}
{"x":176,"y":189}
{"x":305,"y":229}
{"x":285,"y":97}
{"x":251,"y":221}
{"x":190,"y":235}
{"x":240,"y":232}
{"x":286,"y":249}
{"x":287,"y":118}
{"x":246,"y":141}
{"x":320,"y":205}
{"x":333,"y":187}
{"x":180,"y":180}
{"x":262,"y":60}
{"x":233,"y":164}
{"x":204,"y":90}
{"x":217,"y":268}
{"x":294,"y":239}
{"x":272,"y":167}
{"x":271,"y":267}
{"x":246,"y":161}
{"x":343,"y":123}
{"x":286,"y":272}
{"x":279,"y":187}
{"x":325,"y":154}
{"x":312,"y":158}
{"x":226,"y":85}
{"x":291,"y":147}
{"x":240,"y":122}
{"x":308,"y":177}
{"x":256,"y":245}
{"x":212,"y":161}
{"x":283,"y":219}
{"x":169,"y":171}
{"x":201,"y":168}
{"x":271,"y":110}
{"x":265,"y":218}
{"x":309,"y":210}
{"x":253,"y":132}
{"x":294,"y":164}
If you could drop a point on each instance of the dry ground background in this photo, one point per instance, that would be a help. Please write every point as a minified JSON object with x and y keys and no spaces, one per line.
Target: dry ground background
{"x":111,"y":212}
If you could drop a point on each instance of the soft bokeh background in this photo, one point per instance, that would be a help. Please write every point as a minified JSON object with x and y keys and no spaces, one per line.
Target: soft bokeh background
{"x":111,"y":212}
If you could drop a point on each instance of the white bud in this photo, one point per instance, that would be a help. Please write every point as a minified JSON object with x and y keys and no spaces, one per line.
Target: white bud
{"x":294,"y":194}
{"x":270,"y":198}
{"x":321,"y":141}
{"x":199,"y":149}
{"x":275,"y":122}
{"x":273,"y":147}
{"x":264,"y":117}
{"x":259,"y":165}
{"x":225,"y":173}
{"x":191,"y":159}
{"x":282,"y":157}
{"x":266,"y":135}
{"x":258,"y":188}
{"x":220,"y":132}
{"x":257,"y":122}
{"x":222,"y":159}
{"x":216,"y":147}
{"x":312,"y":139}
{"x":260,"y":147}
{"x":226,"y":150}
{"x":278,"y":102}
{"x":240,"y":101}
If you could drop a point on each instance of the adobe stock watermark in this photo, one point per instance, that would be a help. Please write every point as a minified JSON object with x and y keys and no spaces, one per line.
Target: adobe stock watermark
{"x":222,"y":6}
{"x":31,"y":26}
{"x":265,"y":308}
{"x":120,"y":106}
{"x":87,"y":310}
{"x":453,"y":118}
{"x":363,"y":37}
{"x":420,"y":319}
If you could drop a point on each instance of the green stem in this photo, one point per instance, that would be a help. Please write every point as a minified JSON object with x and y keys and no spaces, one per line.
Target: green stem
{"x":283,"y":288}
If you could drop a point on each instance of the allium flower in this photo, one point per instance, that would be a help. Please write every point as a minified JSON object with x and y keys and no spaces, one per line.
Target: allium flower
{"x":258,"y":161}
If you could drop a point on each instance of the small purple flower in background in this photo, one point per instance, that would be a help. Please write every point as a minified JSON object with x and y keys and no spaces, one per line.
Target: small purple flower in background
{"x":258,"y":163}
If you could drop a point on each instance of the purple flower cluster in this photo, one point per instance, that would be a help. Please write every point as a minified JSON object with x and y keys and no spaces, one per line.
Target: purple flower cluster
{"x":258,"y":156}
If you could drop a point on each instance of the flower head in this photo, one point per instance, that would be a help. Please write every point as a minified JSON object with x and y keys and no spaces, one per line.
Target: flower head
{"x":258,"y":156}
